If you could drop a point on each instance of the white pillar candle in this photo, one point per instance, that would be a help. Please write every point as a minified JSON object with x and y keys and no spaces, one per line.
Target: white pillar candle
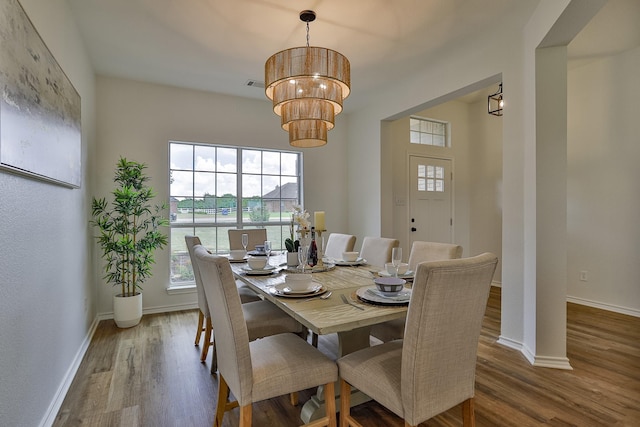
{"x":318,"y":220}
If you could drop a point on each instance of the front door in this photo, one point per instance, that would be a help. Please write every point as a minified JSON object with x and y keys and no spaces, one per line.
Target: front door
{"x":430,"y":198}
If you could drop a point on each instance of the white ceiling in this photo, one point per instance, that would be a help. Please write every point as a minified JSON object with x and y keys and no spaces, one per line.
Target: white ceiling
{"x":218,"y":45}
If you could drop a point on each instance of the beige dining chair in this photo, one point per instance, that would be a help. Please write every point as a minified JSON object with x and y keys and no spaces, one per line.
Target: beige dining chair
{"x":377,"y":250}
{"x":262,"y":317}
{"x":420,"y":252}
{"x":338,"y":243}
{"x":433,"y":368}
{"x":257,"y":236}
{"x":204,"y":319}
{"x":262,"y":369}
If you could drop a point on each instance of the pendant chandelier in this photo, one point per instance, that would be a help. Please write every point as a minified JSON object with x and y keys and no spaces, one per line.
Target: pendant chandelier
{"x":307,"y":86}
{"x":495,"y":103}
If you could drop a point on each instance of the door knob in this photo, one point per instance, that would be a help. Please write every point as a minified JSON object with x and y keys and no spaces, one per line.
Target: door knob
{"x":414,"y":229}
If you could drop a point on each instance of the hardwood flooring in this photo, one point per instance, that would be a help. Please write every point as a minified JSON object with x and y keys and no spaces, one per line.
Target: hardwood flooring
{"x":151,"y":375}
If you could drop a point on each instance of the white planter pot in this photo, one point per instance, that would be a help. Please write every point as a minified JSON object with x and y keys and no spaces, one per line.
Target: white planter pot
{"x":127,"y":311}
{"x":292,"y":259}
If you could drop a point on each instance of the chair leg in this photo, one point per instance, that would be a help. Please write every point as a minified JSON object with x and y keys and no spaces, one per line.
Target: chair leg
{"x":223,"y":395}
{"x":314,"y":339}
{"x":245,"y":416}
{"x":330,"y":403}
{"x":207,"y":340}
{"x":199,"y":331}
{"x":293,"y":398}
{"x":468,"y":413}
{"x":345,"y":403}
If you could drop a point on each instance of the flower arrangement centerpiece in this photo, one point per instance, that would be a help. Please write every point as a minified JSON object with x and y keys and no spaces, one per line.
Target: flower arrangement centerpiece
{"x":299,"y":221}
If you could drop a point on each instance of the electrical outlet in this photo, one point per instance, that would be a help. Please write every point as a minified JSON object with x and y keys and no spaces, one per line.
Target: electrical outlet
{"x":584,"y":276}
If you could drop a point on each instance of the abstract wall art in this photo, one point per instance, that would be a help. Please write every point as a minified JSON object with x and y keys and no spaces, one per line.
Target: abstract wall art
{"x":40,"y":127}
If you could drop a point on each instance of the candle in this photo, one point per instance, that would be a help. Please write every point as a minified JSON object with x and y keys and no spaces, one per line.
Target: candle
{"x":318,"y":220}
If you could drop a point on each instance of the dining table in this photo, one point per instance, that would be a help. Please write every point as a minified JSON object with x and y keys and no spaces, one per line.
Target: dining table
{"x":343,"y":312}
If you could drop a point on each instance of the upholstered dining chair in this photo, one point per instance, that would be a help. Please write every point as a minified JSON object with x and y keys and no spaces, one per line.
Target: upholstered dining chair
{"x":420,"y":252}
{"x":262,"y":317}
{"x":377,"y":250}
{"x":433,"y":368}
{"x":338,"y":243}
{"x":262,"y":369}
{"x":204,"y":319}
{"x":257,"y":236}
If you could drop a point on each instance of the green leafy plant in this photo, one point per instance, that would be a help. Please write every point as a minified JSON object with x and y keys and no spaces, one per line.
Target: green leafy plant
{"x":291,"y":245}
{"x":129,"y":228}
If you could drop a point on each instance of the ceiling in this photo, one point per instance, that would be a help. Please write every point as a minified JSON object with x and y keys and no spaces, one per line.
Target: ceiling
{"x":219,"y":45}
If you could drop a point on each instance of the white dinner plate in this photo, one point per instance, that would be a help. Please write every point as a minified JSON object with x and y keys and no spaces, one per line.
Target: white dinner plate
{"x":372,"y":295}
{"x":259,"y":272}
{"x":237,"y":259}
{"x":358,"y":261}
{"x":285,"y":289}
{"x":407,"y":275}
{"x":275,"y":291}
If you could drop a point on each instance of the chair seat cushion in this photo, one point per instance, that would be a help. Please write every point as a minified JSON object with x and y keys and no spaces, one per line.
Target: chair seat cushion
{"x":286,"y":363}
{"x":264,"y":318}
{"x":246,"y":294}
{"x":377,"y":370}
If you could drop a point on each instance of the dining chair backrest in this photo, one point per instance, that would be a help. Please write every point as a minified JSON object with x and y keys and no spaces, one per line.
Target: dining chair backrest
{"x":191,"y":242}
{"x":338,"y":243}
{"x":257,"y":236}
{"x":432,"y":251}
{"x":232,"y":336}
{"x":441,"y":336}
{"x":377,"y":250}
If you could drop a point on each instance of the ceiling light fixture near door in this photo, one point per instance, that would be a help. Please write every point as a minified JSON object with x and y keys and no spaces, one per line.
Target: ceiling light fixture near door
{"x":307,"y":86}
{"x":495,"y":102}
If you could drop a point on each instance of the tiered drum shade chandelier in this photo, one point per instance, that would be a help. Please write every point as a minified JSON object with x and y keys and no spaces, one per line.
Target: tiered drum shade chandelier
{"x":307,"y":86}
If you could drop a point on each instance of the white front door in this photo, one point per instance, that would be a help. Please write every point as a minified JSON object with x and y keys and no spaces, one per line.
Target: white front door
{"x":430,"y":200}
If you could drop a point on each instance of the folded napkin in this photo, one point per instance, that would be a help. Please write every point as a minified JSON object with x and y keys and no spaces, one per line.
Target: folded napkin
{"x":401,"y":296}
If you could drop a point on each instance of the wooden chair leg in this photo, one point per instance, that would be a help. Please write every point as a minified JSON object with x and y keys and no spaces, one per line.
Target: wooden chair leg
{"x":330,"y":403}
{"x":293,"y":398}
{"x":245,"y":416}
{"x":207,"y":340}
{"x":221,"y":405}
{"x":199,"y":331}
{"x":345,"y":403}
{"x":468,"y":413}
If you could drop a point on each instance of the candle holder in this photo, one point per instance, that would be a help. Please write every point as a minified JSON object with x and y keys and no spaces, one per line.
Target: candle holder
{"x":320,"y":244}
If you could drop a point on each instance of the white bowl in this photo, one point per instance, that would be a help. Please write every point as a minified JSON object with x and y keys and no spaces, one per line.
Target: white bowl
{"x":237,"y":253}
{"x":389,"y":286}
{"x":349,"y":256}
{"x":257,"y":262}
{"x":298,"y":282}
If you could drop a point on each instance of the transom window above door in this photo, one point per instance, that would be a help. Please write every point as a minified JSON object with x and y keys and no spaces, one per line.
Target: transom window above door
{"x":428,"y":132}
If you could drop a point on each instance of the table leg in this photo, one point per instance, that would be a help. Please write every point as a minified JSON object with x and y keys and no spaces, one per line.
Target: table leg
{"x":348,"y":342}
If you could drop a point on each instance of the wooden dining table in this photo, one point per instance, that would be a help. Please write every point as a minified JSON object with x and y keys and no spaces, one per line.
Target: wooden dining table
{"x":342,"y":313}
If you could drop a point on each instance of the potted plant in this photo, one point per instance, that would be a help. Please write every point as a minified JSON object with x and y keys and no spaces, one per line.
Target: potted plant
{"x":129,"y":234}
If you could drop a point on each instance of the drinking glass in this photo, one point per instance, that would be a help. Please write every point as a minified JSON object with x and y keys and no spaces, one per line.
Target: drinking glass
{"x":302,"y":257}
{"x":245,"y":241}
{"x":267,"y":249}
{"x":396,"y":258}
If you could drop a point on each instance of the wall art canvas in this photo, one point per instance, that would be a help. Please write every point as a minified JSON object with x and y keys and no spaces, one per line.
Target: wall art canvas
{"x":40,"y":128}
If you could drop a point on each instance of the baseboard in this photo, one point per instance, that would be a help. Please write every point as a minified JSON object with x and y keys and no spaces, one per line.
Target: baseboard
{"x":61,"y":393}
{"x":153,"y":310}
{"x":552,"y":362}
{"x":604,"y":306}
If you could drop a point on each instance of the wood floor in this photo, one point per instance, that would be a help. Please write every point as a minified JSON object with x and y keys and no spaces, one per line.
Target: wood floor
{"x":151,"y":375}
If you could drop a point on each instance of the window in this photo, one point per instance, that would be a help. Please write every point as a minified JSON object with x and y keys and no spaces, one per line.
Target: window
{"x":428,"y":132}
{"x":431,"y":178}
{"x":214,"y":188}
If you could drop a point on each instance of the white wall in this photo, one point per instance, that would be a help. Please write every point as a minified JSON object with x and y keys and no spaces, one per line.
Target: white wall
{"x":137,"y":120}
{"x":47,"y":297}
{"x":603,"y":189}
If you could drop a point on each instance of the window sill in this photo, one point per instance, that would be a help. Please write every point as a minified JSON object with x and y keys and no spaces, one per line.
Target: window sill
{"x":181,"y":289}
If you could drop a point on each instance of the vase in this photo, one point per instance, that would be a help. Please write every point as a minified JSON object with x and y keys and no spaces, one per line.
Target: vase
{"x":127,"y":310}
{"x":292,"y":259}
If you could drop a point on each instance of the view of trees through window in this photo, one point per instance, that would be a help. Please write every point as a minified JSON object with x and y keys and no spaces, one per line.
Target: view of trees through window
{"x":214,"y":188}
